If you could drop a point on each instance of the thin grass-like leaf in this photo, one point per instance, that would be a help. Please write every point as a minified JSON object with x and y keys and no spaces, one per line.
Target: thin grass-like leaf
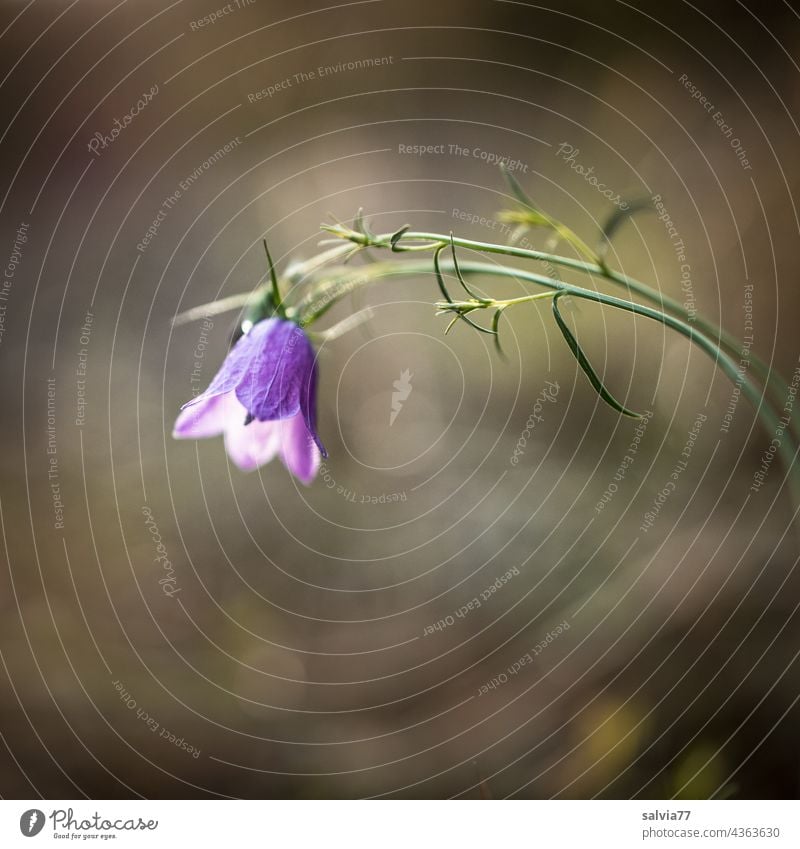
{"x":397,"y":235}
{"x":223,"y":305}
{"x":617,"y":218}
{"x":460,"y":276}
{"x":438,"y":274}
{"x":450,"y":326}
{"x":531,"y":216}
{"x":516,"y":188}
{"x":358,"y":222}
{"x":276,"y":291}
{"x":496,"y":331}
{"x":443,"y":289}
{"x":346,"y":325}
{"x":584,"y":363}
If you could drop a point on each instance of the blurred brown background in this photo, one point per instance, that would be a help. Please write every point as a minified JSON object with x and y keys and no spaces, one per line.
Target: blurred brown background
{"x":293,"y":659}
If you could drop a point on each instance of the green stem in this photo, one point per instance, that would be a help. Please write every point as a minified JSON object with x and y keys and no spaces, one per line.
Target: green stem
{"x":773,"y":382}
{"x":729,"y":366}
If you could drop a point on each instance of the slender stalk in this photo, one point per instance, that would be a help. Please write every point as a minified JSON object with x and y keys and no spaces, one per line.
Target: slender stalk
{"x":352,"y":278}
{"x":773,"y":382}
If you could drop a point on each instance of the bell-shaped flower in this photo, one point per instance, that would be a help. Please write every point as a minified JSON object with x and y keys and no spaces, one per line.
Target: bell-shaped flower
{"x":263,"y":400}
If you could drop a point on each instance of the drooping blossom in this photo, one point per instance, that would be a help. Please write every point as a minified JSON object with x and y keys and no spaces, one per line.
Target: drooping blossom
{"x":263,"y":400}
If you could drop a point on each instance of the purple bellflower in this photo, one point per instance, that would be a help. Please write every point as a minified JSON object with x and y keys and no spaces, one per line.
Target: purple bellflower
{"x":263,"y":399}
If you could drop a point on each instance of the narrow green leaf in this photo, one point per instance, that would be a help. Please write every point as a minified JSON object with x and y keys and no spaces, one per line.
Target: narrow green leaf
{"x":439,"y":278}
{"x":584,"y":363}
{"x":450,"y":326}
{"x":397,"y":235}
{"x":443,"y":289}
{"x":496,"y":331}
{"x":534,"y":217}
{"x":460,"y":276}
{"x":276,"y":292}
{"x":516,"y":189}
{"x":619,"y":216}
{"x":218,"y":307}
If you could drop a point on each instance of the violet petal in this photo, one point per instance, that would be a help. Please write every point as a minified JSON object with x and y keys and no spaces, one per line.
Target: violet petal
{"x":238,"y":364}
{"x":298,"y":449}
{"x":308,"y":407}
{"x":206,"y":416}
{"x":280,"y":370}
{"x":253,"y":445}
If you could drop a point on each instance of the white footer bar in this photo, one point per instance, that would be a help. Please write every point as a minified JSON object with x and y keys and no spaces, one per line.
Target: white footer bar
{"x":400,"y":824}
